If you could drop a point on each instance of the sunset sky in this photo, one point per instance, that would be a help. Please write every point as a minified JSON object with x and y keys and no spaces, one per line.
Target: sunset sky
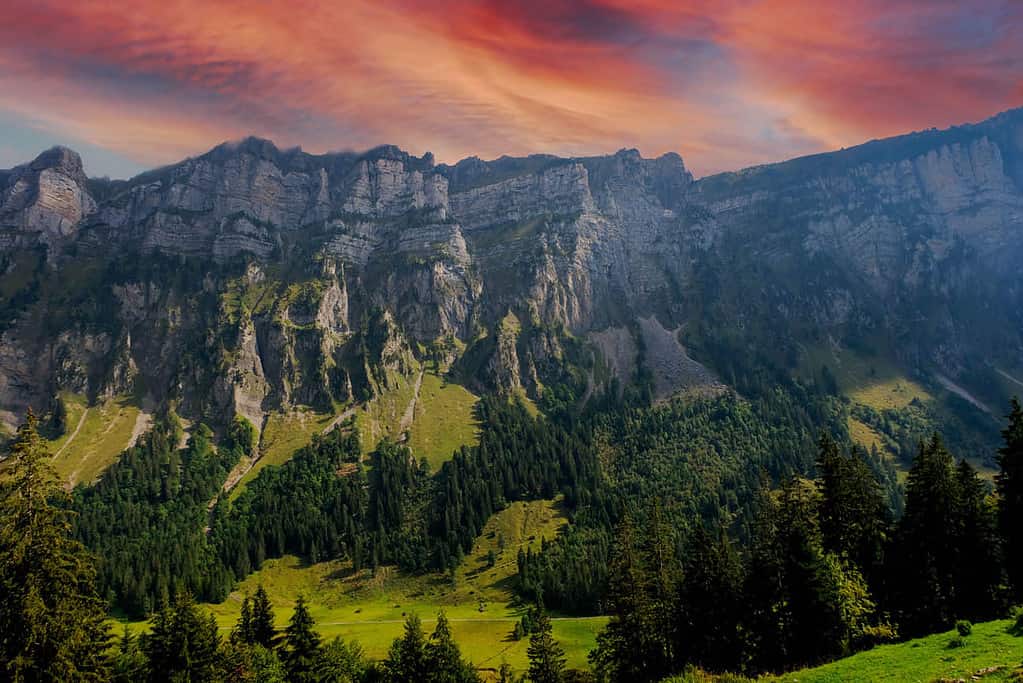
{"x":725,"y":83}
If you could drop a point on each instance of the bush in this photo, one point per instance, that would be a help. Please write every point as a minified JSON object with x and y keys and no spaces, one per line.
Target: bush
{"x":956,"y":642}
{"x":1017,"y":628}
{"x":964,"y":627}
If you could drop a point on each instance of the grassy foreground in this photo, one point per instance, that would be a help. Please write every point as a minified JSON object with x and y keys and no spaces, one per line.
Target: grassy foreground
{"x":991,"y":653}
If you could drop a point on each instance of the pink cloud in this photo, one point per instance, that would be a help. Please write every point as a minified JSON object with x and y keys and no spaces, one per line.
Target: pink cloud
{"x":725,"y":83}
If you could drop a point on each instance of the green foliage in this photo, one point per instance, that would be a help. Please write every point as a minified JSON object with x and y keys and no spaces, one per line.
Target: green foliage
{"x":546,"y":657}
{"x":146,"y":519}
{"x":300,"y":651}
{"x":182,"y":644}
{"x":945,"y":562}
{"x":341,"y":661}
{"x":407,"y":662}
{"x":1009,"y":483}
{"x":51,"y":618}
{"x":964,"y":627}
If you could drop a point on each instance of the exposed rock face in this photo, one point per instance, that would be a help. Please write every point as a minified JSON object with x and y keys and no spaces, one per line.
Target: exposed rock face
{"x":48,"y":197}
{"x":397,"y":256}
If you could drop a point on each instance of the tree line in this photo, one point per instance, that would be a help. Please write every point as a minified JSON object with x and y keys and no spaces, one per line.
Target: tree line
{"x":827,"y":570}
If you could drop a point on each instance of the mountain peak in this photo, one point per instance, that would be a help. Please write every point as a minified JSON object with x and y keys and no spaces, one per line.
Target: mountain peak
{"x":62,"y":159}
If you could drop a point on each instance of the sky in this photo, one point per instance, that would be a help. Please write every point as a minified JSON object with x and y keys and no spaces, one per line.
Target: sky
{"x":725,"y":83}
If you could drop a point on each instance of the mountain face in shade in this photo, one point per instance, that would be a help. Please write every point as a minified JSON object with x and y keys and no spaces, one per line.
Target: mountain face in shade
{"x":251,"y":279}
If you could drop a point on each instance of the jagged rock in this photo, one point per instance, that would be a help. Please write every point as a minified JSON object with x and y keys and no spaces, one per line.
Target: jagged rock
{"x":48,"y":197}
{"x":403,"y":254}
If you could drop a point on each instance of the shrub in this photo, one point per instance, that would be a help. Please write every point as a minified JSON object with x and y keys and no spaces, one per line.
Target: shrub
{"x":964,"y":627}
{"x":956,"y":642}
{"x":1017,"y":628}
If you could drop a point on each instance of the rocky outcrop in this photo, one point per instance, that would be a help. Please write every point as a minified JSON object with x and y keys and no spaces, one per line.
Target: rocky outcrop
{"x":47,"y":198}
{"x":915,"y":239}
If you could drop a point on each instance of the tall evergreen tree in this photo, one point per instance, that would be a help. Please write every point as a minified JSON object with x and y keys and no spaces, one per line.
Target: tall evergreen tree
{"x":444,"y":659}
{"x":546,"y":657}
{"x":243,"y":628}
{"x":406,"y":661}
{"x":978,"y":568}
{"x":709,"y":603}
{"x":182,"y":644}
{"x":301,"y":647}
{"x":263,"y":631}
{"x":51,"y":619}
{"x":129,"y":665}
{"x":1009,"y":482}
{"x":925,"y":571}
{"x":622,"y":645}
{"x":854,"y":516}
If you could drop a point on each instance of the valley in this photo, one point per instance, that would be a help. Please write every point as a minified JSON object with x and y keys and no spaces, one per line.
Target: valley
{"x":753,"y":421}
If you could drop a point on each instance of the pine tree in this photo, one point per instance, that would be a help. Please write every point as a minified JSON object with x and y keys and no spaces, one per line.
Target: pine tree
{"x":243,"y":629}
{"x":183,"y":644}
{"x":443,"y":658}
{"x":709,"y":603}
{"x":978,"y":567}
{"x":129,"y":664}
{"x":301,"y":647}
{"x":1009,"y":482}
{"x":406,"y":661}
{"x":51,"y":618}
{"x":854,"y":516}
{"x":924,"y":571}
{"x":263,"y":631}
{"x":341,"y":661}
{"x":546,"y":657}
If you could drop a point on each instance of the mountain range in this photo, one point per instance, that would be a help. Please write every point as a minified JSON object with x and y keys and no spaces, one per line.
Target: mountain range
{"x":252,"y":279}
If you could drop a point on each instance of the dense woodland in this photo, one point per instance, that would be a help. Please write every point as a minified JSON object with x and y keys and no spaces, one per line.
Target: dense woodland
{"x":693,"y":525}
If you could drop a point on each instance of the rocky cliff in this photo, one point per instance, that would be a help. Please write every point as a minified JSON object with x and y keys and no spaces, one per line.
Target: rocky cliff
{"x":250,"y":277}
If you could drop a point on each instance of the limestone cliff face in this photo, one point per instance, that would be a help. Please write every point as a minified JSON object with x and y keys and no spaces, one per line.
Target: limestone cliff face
{"x":314,"y":276}
{"x":47,"y":198}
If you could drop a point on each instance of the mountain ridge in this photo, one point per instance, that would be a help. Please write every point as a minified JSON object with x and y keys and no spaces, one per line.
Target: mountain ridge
{"x":362,"y":261}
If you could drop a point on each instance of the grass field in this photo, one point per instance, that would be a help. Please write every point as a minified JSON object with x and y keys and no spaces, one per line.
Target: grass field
{"x":283,"y":434}
{"x":991,"y":645}
{"x":382,"y":416}
{"x":371,"y":608}
{"x":443,"y":420}
{"x":95,"y":437}
{"x":873,"y":381}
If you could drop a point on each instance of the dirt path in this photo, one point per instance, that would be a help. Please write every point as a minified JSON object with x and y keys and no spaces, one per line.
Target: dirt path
{"x":71,"y":438}
{"x":410,"y":412}
{"x":962,"y":393}
{"x":1009,"y":377}
{"x":339,"y":419}
{"x":143,"y":421}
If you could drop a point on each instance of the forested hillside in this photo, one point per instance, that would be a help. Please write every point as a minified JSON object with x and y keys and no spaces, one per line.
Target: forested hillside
{"x":571,"y":419}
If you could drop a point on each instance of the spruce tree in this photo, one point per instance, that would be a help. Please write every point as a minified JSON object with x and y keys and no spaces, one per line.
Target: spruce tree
{"x":301,"y":647}
{"x":854,"y":516}
{"x":1009,"y":482}
{"x":406,"y":661}
{"x":925,"y":567}
{"x":183,"y":644}
{"x":546,"y":657}
{"x":243,"y":629}
{"x":709,"y":603}
{"x":443,"y":658}
{"x":978,"y":568}
{"x":263,"y":631}
{"x":622,"y":644}
{"x":51,"y":618}
{"x":129,"y":665}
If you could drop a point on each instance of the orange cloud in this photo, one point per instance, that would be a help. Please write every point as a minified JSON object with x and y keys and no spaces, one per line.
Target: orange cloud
{"x":725,"y":83}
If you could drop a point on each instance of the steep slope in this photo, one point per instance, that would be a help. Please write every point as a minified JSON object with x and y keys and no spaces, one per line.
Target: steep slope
{"x":251,"y":280}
